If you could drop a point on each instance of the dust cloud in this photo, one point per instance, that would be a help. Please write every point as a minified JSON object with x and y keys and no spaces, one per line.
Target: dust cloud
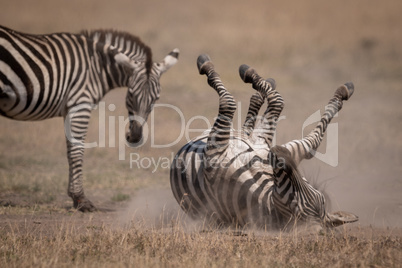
{"x":157,"y":209}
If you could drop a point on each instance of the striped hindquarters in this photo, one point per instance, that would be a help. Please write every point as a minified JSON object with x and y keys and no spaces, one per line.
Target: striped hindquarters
{"x":42,"y":76}
{"x":187,"y":179}
{"x":36,"y":71}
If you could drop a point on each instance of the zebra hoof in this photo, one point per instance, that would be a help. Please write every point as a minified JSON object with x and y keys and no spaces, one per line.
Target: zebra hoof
{"x":346,"y":90}
{"x":175,"y":53}
{"x":204,"y":63}
{"x":351,"y":88}
{"x":246,"y":73}
{"x":84,"y":205}
{"x":272,"y":82}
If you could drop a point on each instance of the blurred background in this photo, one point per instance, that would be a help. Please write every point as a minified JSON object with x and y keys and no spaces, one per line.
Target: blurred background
{"x":309,"y":47}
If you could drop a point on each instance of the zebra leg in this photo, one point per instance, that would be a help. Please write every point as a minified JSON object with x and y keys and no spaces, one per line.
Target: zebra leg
{"x":305,"y":148}
{"x":271,"y":115}
{"x":220,"y":134}
{"x":76,"y":125}
{"x":275,"y":101}
{"x":256,"y":102}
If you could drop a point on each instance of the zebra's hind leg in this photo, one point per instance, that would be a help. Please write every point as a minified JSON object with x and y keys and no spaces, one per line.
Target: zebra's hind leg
{"x":275,"y":102}
{"x":76,"y":125}
{"x":256,"y":102}
{"x":305,"y":148}
{"x":219,"y":137}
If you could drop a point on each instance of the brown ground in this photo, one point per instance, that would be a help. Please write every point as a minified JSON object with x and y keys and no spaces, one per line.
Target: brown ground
{"x":308,"y":47}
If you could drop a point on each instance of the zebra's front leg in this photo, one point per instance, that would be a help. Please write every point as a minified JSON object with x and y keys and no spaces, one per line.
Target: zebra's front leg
{"x":220,"y":134}
{"x":305,"y":148}
{"x":76,"y":125}
{"x":274,"y":100}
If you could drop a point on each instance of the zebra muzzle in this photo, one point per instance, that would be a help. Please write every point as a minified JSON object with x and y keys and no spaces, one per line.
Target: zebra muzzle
{"x":134,"y":135}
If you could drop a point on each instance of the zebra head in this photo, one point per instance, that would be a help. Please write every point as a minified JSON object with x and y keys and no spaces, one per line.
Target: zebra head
{"x":306,"y":203}
{"x":143,"y":91}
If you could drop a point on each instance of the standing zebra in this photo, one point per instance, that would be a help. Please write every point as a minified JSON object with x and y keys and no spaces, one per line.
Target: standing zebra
{"x":238,"y":178}
{"x":63,"y":74}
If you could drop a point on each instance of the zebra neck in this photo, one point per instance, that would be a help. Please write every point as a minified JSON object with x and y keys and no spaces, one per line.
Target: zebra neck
{"x":297,"y":198}
{"x":110,"y":73}
{"x":288,"y":190}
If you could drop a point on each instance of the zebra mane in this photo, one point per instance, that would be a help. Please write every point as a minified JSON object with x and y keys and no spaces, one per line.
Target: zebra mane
{"x":124,"y":42}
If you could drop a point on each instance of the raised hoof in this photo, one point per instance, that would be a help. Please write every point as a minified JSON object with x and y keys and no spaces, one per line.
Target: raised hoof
{"x":84,"y":205}
{"x":175,"y":53}
{"x":246,"y":73}
{"x":346,"y":90}
{"x":204,"y":63}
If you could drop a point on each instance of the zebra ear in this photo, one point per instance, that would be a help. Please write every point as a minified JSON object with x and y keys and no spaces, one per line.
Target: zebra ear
{"x":170,"y":60}
{"x":125,"y":61}
{"x":341,"y":217}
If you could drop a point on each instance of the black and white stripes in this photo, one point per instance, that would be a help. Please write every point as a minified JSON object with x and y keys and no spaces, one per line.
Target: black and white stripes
{"x":225,"y":176}
{"x":63,"y":74}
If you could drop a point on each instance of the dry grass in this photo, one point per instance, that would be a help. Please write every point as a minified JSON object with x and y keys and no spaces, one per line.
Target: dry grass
{"x":102,"y":241}
{"x":309,"y":47}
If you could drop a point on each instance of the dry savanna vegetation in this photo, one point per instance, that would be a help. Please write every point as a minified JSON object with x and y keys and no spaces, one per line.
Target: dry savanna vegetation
{"x":309,"y":47}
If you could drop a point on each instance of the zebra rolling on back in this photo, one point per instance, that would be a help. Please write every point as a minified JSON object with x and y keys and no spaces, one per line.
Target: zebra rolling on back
{"x":238,"y":178}
{"x":45,"y":76}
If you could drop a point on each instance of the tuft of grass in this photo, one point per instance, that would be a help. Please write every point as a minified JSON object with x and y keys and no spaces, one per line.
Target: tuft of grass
{"x":119,"y":197}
